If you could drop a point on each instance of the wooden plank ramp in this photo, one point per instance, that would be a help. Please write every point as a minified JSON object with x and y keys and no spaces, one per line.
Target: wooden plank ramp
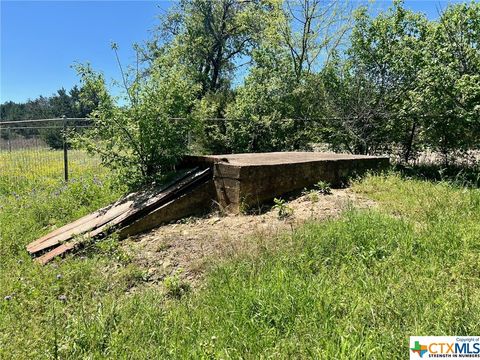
{"x":115,"y":216}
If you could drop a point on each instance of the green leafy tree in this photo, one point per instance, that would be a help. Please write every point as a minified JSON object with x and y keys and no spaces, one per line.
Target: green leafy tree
{"x":374,"y":89}
{"x":356,"y":122}
{"x":144,"y":139}
{"x":281,"y":99}
{"x":407,"y":84}
{"x":449,"y":86}
{"x":59,"y":104}
{"x":311,"y":31}
{"x":263,"y":105}
{"x":214,"y":41}
{"x":209,"y":37}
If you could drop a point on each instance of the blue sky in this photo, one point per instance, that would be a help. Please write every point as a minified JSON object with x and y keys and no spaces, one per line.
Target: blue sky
{"x":40,"y":40}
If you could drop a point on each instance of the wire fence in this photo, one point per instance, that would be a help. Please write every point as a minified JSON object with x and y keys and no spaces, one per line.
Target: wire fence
{"x":41,"y":148}
{"x":32,"y":149}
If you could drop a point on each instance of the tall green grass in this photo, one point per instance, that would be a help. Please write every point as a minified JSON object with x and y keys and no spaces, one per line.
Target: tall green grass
{"x":31,"y":206}
{"x":28,"y":169}
{"x":356,"y":287}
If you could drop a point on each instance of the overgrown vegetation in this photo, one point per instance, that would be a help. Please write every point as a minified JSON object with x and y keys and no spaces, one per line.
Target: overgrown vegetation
{"x":461,"y":175}
{"x":283,"y":210}
{"x":143,"y":140}
{"x":313,"y":73}
{"x":354,"y":287}
{"x":350,"y":288}
{"x":32,"y":203}
{"x":26,"y":171}
{"x":323,"y":188}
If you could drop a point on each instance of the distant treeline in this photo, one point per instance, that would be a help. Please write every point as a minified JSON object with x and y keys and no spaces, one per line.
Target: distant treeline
{"x":71,"y":104}
{"x":68,"y":103}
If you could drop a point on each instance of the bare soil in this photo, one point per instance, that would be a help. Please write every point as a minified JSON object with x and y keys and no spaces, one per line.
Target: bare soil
{"x":188,"y":247}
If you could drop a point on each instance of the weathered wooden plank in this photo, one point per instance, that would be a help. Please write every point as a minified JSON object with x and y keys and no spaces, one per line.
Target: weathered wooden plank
{"x":110,"y":215}
{"x":76,"y":223}
{"x":101,"y":217}
{"x":71,"y":228}
{"x":63,"y":229}
{"x":117,"y":216}
{"x":196,"y":201}
{"x":150,"y":205}
{"x":59,"y":250}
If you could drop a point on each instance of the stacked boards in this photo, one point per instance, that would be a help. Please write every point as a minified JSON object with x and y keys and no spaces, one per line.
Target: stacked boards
{"x":117,"y":216}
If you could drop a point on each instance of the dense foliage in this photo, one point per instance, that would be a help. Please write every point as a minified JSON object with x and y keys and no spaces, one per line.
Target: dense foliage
{"x":409,"y":83}
{"x":145,"y":138}
{"x":264,"y":75}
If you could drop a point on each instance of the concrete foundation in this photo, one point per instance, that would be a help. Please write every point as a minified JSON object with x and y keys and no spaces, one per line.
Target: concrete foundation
{"x":237,"y":181}
{"x":250,"y":179}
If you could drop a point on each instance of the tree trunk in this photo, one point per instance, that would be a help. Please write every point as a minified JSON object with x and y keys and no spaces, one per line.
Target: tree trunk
{"x":408,"y":150}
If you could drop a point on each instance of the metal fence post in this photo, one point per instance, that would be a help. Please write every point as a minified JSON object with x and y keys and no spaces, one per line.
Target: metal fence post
{"x":9,"y":134}
{"x":65,"y":148}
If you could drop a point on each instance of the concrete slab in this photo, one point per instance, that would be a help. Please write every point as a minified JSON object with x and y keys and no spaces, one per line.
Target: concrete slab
{"x":249,"y":179}
{"x":237,"y":181}
{"x":278,"y":158}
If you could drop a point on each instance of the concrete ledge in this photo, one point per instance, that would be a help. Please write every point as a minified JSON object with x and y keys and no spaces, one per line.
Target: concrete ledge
{"x":249,"y":179}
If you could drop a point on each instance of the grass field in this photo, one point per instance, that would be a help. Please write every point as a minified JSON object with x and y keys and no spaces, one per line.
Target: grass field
{"x":23,"y":169}
{"x":351,"y":288}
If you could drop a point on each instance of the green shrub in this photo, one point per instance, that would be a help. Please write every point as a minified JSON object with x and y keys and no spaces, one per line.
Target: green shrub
{"x":284,"y":211}
{"x":323,"y":188}
{"x":144,"y":139}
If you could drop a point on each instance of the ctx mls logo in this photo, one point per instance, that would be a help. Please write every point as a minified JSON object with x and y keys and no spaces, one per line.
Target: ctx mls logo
{"x":419,"y":349}
{"x":457,"y":347}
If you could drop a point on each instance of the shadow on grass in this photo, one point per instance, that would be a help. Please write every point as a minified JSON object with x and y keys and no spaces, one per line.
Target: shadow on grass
{"x":457,"y":175}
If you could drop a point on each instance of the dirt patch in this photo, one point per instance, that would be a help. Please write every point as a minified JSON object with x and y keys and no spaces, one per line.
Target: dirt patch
{"x":189,"y":246}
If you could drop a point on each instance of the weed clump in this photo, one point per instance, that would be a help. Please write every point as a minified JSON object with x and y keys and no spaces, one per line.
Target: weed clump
{"x":284,"y":211}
